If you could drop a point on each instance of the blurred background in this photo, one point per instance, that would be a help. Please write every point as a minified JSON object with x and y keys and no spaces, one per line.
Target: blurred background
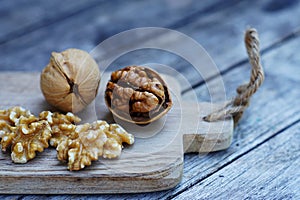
{"x":32,"y":29}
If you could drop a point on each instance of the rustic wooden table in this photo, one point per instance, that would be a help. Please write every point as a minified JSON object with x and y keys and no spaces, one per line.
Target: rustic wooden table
{"x":263,"y":161}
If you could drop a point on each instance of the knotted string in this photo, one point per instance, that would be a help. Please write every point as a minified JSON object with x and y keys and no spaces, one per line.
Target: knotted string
{"x":238,"y":105}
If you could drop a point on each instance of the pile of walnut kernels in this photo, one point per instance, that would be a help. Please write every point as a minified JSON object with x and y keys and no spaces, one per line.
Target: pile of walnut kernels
{"x":26,"y":134}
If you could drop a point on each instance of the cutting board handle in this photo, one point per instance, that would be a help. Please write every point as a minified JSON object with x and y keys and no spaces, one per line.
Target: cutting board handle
{"x":208,"y":136}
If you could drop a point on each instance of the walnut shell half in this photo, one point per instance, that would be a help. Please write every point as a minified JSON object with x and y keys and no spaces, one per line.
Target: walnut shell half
{"x":70,"y":81}
{"x":137,"y":94}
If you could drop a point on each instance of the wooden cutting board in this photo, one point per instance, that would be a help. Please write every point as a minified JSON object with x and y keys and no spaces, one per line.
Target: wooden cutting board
{"x":154,"y":162}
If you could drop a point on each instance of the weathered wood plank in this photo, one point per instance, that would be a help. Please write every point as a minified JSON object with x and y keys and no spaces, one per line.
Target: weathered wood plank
{"x":22,"y":17}
{"x":209,"y":25}
{"x":270,"y":171}
{"x":96,"y":24}
{"x":9,"y":197}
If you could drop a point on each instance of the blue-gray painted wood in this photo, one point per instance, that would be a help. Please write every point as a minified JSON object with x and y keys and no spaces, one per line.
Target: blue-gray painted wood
{"x":271,"y":171}
{"x":222,"y":38}
{"x":88,"y":28}
{"x":24,"y":16}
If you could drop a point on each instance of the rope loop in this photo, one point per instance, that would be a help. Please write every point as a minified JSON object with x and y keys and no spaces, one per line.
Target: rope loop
{"x":238,"y":105}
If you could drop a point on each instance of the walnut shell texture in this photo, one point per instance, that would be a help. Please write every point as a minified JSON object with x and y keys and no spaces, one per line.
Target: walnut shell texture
{"x":70,"y":81}
{"x":137,"y":94}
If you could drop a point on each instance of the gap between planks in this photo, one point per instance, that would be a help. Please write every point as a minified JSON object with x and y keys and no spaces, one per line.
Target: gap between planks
{"x":234,"y":159}
{"x":51,"y":20}
{"x":268,"y":176}
{"x":46,"y":22}
{"x":273,"y":46}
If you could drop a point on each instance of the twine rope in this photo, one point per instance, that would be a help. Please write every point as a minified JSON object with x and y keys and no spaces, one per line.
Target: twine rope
{"x":238,"y":105}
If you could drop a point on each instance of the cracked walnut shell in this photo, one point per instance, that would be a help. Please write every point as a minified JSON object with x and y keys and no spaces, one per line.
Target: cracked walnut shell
{"x":137,"y":94}
{"x":70,"y":81}
{"x":94,"y":140}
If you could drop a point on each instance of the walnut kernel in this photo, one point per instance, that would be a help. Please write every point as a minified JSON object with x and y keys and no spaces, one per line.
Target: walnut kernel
{"x":24,"y":133}
{"x":62,"y":126}
{"x":94,"y":140}
{"x":137,"y":94}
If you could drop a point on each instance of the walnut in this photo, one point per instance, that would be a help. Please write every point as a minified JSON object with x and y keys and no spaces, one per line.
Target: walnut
{"x":32,"y":136}
{"x":70,"y":81}
{"x":9,"y":119}
{"x":94,"y":140}
{"x":62,"y":126}
{"x":24,"y":133}
{"x":137,"y":94}
{"x":7,"y":134}
{"x":12,"y":115}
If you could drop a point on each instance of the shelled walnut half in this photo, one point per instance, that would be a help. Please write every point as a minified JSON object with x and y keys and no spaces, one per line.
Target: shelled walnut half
{"x":94,"y":140}
{"x":137,"y":94}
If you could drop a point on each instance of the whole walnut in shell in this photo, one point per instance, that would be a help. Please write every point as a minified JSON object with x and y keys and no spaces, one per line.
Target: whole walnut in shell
{"x":70,"y":81}
{"x":137,"y":94}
